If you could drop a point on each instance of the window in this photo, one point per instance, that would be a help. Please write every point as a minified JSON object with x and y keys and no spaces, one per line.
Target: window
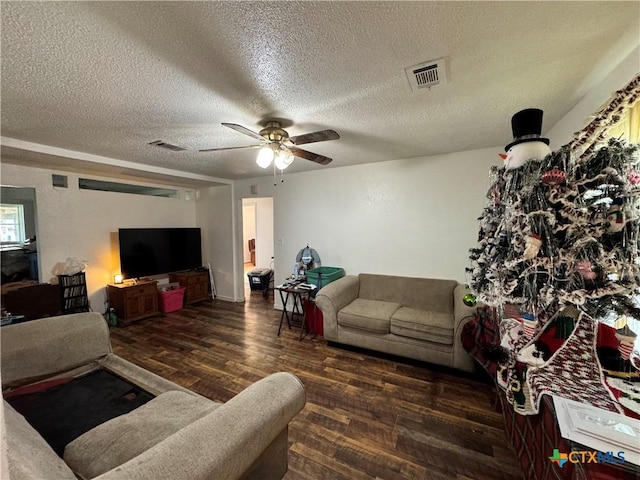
{"x":628,"y":128}
{"x":88,"y":184}
{"x":11,"y":224}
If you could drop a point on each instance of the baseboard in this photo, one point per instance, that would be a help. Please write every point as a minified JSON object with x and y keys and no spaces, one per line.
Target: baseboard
{"x":227,"y":299}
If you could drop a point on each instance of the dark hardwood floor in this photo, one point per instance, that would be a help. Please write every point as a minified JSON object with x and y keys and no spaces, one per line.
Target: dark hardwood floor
{"x":367,"y":416}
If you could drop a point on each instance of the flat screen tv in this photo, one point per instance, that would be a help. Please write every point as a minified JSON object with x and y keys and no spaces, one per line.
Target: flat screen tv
{"x":154,"y":251}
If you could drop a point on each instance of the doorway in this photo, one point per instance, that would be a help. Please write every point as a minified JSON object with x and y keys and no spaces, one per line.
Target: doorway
{"x":257,"y":236}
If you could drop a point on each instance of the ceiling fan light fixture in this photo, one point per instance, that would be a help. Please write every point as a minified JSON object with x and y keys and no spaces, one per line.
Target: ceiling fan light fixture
{"x":277,"y":147}
{"x":265,"y":156}
{"x":283,"y":158}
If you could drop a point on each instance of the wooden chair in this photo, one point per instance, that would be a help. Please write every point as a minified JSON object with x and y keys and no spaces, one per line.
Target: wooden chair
{"x":252,"y":250}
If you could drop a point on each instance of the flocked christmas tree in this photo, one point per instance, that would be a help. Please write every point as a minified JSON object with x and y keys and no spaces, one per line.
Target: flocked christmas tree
{"x":559,"y":238}
{"x":556,"y":233}
{"x":563,"y":228}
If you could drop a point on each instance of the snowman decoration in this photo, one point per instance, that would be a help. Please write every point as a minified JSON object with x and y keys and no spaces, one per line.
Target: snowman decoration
{"x":527,"y":142}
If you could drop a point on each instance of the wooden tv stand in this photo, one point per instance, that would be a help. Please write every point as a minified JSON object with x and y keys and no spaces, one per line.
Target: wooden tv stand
{"x":133,"y":301}
{"x":196,"y":284}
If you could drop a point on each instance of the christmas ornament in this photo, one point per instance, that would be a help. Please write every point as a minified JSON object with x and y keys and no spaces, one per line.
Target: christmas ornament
{"x":555,"y":176}
{"x":470,"y":300}
{"x":529,"y":324}
{"x":591,"y":194}
{"x":627,"y":339}
{"x":633,"y":176}
{"x":533,"y":244}
{"x":495,"y":196}
{"x":528,"y":143}
{"x":615,"y":216}
{"x":584,"y":268}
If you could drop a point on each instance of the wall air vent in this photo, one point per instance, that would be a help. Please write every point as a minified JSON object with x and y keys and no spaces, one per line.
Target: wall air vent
{"x":168,"y":146}
{"x":59,"y":181}
{"x":427,"y":74}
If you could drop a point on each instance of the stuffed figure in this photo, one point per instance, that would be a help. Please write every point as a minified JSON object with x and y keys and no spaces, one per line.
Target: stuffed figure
{"x":307,"y":259}
{"x":527,"y":140}
{"x":532,"y":246}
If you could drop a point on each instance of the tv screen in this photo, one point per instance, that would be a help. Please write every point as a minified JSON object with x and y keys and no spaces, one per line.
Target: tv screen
{"x":154,"y":251}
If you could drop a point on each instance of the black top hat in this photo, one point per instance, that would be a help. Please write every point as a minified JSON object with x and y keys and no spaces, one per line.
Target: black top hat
{"x":527,"y":127}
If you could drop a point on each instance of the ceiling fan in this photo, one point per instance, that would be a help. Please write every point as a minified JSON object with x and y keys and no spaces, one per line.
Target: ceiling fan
{"x":278,"y":147}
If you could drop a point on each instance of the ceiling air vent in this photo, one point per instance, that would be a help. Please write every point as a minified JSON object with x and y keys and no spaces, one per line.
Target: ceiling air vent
{"x":427,"y":74}
{"x":168,"y":146}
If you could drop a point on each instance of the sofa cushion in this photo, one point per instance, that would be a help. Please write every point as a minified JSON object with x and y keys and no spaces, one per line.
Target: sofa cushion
{"x":421,"y":293}
{"x":125,"y":437}
{"x":371,"y":315}
{"x":28,"y":455}
{"x":423,"y":325}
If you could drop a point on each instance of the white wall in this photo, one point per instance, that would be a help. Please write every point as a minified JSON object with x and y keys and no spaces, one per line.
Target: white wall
{"x":264,"y":232}
{"x":84,"y":224}
{"x":221,"y":244}
{"x":413,"y":217}
{"x":248,"y":228}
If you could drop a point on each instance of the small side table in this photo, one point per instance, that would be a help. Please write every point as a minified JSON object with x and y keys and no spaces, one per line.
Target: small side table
{"x":297,"y":294}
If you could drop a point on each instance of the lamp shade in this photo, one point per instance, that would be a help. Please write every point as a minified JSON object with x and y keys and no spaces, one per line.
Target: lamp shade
{"x":265,"y":157}
{"x":283,"y":159}
{"x":118,"y":278}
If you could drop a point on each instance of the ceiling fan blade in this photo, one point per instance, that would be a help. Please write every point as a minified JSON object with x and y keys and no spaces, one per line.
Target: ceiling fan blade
{"x":229,"y":148}
{"x":321,"y":136}
{"x":246,"y":131}
{"x":314,"y":157}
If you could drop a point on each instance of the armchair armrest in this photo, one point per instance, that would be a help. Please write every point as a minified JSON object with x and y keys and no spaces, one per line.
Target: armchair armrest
{"x":333,"y":297}
{"x":227,"y":443}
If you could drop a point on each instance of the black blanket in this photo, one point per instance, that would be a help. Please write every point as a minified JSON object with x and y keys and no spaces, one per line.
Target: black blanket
{"x":64,"y":412}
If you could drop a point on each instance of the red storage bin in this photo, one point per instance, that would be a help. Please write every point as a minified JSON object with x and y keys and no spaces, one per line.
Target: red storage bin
{"x":171,"y":300}
{"x":314,"y":317}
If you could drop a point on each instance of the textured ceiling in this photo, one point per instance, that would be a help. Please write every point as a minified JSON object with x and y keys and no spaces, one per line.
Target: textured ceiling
{"x":103,"y":79}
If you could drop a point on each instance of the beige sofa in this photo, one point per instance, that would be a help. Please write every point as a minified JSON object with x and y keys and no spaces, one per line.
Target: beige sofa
{"x":418,"y":318}
{"x":176,"y":435}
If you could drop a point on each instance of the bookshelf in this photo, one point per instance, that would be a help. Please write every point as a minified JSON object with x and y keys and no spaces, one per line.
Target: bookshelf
{"x":73,"y":293}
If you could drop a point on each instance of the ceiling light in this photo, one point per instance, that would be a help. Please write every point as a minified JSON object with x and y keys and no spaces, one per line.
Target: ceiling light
{"x":283,"y":159}
{"x":265,"y":156}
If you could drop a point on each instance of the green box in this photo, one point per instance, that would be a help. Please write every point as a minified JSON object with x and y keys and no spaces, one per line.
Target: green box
{"x":322,"y":276}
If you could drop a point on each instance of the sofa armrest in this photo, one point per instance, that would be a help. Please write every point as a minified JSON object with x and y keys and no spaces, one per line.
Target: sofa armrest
{"x":462,"y":314}
{"x":333,"y":297}
{"x":226,"y":443}
{"x":42,"y":348}
{"x":140,"y":377}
